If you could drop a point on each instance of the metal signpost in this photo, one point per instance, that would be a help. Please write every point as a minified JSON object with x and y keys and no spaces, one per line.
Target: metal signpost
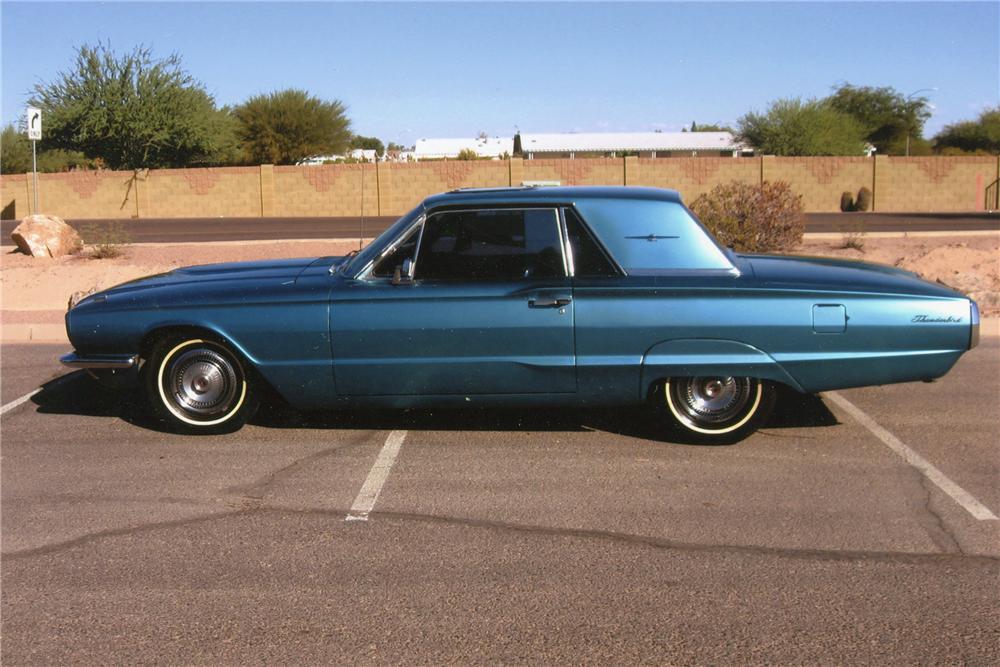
{"x":33,"y":119}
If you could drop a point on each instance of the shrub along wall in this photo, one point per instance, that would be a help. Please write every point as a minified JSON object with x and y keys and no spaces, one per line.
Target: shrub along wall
{"x":898,"y":184}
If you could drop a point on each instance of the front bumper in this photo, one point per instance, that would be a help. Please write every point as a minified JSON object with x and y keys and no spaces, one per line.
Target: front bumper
{"x":120,"y":361}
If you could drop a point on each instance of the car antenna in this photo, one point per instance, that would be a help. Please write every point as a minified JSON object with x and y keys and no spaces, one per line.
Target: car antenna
{"x":361,"y":238}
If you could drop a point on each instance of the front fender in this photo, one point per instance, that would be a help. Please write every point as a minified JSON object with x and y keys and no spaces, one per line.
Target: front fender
{"x":691,"y":357}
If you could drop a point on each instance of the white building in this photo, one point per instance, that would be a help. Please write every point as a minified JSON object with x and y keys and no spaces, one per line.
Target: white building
{"x":643,"y":144}
{"x":485,"y":147}
{"x":364,"y":154}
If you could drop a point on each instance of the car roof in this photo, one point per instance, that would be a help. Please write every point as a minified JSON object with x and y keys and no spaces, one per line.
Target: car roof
{"x":547,"y":194}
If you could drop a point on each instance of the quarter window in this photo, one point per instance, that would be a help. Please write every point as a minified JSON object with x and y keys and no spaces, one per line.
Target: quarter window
{"x":491,"y":245}
{"x":589,"y":260}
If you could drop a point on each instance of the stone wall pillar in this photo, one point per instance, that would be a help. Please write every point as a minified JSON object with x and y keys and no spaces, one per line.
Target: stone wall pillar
{"x":630,"y":168}
{"x":880,"y":175}
{"x":267,"y":190}
{"x":30,"y":190}
{"x":516,"y":173}
{"x":766,"y":167}
{"x":141,"y":193}
{"x":383,"y":181}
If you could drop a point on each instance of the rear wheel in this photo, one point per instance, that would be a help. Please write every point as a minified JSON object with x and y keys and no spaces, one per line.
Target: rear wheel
{"x":199,"y":386}
{"x":717,"y":410}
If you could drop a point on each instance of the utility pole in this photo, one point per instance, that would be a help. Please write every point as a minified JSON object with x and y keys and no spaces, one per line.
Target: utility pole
{"x":908,"y":128}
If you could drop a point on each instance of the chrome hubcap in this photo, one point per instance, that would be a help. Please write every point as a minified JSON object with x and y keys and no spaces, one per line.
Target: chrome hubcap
{"x":203,"y":382}
{"x":714,"y":399}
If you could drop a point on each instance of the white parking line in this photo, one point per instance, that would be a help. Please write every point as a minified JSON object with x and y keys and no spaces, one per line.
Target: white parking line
{"x":368,"y":494}
{"x":957,"y":493}
{"x":18,"y":401}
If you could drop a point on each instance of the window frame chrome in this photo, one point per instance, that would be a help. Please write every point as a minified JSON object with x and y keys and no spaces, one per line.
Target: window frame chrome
{"x":555,"y":208}
{"x":365,"y":272}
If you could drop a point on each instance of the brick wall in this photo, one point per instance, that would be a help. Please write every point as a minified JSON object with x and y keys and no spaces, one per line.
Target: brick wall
{"x":898,"y":184}
{"x":692,"y":176}
{"x":933,"y":183}
{"x":220,"y":191}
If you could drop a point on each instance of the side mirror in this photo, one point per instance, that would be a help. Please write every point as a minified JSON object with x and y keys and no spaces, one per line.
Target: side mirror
{"x":403,"y":275}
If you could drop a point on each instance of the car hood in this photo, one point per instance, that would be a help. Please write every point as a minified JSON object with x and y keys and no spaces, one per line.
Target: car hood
{"x":281,"y":270}
{"x":841,"y":275}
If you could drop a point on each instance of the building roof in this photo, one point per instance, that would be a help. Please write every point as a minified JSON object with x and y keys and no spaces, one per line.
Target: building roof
{"x":604,"y":142}
{"x":369,"y":154}
{"x":488,"y":147}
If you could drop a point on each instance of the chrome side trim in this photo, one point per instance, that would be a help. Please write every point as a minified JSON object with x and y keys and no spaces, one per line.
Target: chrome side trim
{"x":974,"y":318}
{"x":73,"y":360}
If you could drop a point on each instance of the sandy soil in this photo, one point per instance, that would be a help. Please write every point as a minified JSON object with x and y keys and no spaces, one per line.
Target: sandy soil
{"x":969,"y":264}
{"x":36,"y":290}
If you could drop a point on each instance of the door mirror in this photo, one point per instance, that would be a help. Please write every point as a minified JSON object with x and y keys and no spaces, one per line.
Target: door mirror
{"x":403,"y":275}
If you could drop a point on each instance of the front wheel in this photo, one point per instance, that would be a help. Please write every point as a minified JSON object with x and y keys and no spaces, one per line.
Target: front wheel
{"x":199,"y":386}
{"x":717,"y":410}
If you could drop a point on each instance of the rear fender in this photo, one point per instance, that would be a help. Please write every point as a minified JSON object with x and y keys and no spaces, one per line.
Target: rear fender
{"x":693,"y":357}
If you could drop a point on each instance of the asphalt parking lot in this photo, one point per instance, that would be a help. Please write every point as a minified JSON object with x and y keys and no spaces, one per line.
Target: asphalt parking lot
{"x":531,"y":537}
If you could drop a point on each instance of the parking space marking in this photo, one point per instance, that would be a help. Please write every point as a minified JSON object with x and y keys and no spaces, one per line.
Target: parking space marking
{"x":368,"y":494}
{"x":957,"y":493}
{"x":18,"y":401}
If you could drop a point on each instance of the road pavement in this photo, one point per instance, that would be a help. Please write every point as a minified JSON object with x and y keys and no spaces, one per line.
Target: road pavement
{"x":531,"y":537}
{"x":188,"y":230}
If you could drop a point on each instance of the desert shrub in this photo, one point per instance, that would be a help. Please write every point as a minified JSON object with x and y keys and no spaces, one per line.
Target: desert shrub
{"x":753,"y":218}
{"x":106,"y":241}
{"x":853,"y":236}
{"x":467,"y":154}
{"x":846,"y":202}
{"x":864,"y":200}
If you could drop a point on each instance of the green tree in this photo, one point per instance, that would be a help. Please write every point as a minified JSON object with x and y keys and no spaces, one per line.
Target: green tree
{"x":796,"y":127}
{"x":710,"y":127}
{"x":972,"y":136}
{"x":15,"y":155}
{"x":286,"y":126}
{"x":368,"y":143}
{"x":15,"y":151}
{"x":887,"y":117}
{"x":129,"y":111}
{"x":393,"y":146}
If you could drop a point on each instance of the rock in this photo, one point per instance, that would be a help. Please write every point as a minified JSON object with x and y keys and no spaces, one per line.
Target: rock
{"x":78,"y":296}
{"x":46,"y":236}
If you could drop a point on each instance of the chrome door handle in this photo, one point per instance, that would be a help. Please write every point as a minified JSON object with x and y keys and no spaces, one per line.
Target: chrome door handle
{"x":549,"y":303}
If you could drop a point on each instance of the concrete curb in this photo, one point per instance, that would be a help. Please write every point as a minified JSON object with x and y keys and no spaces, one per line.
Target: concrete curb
{"x":901,"y":235}
{"x":34,"y":333}
{"x":56,"y":333}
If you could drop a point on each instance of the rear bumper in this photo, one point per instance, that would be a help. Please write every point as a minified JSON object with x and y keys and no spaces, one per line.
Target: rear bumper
{"x":121,"y":361}
{"x":974,"y":319}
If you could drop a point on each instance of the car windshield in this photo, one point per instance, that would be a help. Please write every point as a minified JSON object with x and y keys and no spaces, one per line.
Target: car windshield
{"x":373,"y":249}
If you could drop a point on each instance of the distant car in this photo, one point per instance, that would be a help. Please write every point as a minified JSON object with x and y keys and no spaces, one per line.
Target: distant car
{"x":523,"y":297}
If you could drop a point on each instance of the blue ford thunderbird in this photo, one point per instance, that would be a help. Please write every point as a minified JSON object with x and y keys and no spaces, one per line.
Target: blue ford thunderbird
{"x":525,"y":297}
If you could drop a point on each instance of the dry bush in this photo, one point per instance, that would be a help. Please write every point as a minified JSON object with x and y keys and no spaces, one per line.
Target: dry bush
{"x":753,"y":218}
{"x":853,"y":236}
{"x":106,"y":241}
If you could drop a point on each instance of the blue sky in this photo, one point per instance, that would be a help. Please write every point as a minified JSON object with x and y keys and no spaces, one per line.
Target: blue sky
{"x":408,"y":71}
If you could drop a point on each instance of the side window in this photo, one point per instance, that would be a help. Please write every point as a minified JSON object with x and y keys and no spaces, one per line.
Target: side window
{"x":386,"y":266}
{"x":491,"y":245}
{"x":589,"y":260}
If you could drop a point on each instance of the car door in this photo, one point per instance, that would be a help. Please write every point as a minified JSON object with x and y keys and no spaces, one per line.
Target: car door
{"x":489,"y":310}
